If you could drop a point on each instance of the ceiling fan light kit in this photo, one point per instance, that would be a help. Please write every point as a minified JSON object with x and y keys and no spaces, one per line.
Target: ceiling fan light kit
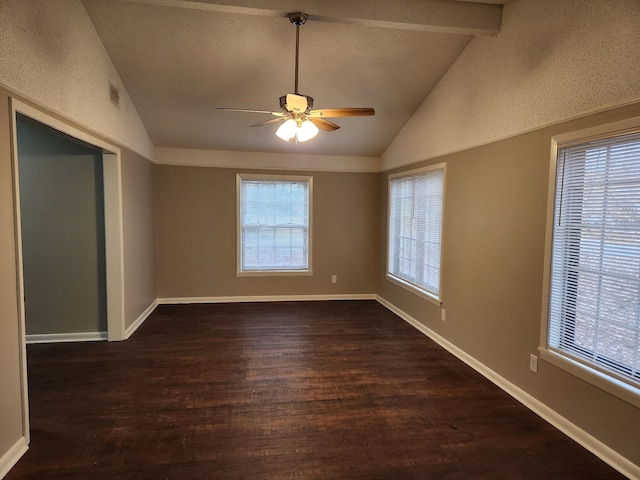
{"x":303,"y":130}
{"x":299,"y":120}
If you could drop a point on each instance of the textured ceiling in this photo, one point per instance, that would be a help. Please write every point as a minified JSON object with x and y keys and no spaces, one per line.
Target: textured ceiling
{"x":180,"y":59}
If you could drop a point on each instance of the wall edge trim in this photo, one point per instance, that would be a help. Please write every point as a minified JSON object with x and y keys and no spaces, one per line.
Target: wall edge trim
{"x":192,"y":157}
{"x":11,"y":457}
{"x":66,"y":337}
{"x":385,"y":167}
{"x":592,"y":444}
{"x":140,"y":320}
{"x":265,"y":298}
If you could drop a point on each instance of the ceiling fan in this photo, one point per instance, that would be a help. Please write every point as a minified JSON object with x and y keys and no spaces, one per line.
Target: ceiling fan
{"x":298,"y":119}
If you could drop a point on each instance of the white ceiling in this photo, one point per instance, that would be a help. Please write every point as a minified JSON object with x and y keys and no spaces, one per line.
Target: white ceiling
{"x":180,"y":59}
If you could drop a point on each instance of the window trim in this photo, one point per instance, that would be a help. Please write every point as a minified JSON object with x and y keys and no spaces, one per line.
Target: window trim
{"x":603,"y":380}
{"x":397,"y":280}
{"x":273,"y":273}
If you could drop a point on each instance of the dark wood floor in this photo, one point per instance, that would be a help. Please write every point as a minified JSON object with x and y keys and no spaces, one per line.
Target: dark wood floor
{"x":309,"y":390}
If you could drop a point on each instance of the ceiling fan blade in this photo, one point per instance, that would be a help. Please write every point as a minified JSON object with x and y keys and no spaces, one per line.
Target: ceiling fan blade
{"x":267,"y":122}
{"x":248,"y":110}
{"x":324,"y":124}
{"x":342,"y":112}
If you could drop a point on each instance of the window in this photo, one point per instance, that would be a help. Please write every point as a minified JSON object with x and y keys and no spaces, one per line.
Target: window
{"x":273,"y":224}
{"x":594,"y":291}
{"x":415,"y":229}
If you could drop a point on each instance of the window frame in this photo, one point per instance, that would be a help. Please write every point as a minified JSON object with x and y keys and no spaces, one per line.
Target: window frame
{"x":607,"y":381}
{"x":395,"y":278}
{"x":273,"y":178}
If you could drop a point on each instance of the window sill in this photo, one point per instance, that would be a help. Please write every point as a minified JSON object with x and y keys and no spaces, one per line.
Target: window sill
{"x":609,"y":384}
{"x":415,"y":290}
{"x":274,"y":273}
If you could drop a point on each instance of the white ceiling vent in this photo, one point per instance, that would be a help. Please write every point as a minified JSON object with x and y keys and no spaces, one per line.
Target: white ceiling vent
{"x":114,"y":95}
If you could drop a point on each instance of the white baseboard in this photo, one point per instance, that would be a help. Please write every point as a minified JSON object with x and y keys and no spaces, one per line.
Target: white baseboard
{"x":15,"y":453}
{"x":266,"y":298}
{"x":595,"y":446}
{"x":66,"y":337}
{"x":140,"y":320}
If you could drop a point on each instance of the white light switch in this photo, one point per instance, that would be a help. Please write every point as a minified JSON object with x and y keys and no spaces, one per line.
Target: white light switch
{"x":533,"y":363}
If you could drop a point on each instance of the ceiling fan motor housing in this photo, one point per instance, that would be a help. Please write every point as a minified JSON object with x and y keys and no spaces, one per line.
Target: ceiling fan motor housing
{"x":289,"y":108}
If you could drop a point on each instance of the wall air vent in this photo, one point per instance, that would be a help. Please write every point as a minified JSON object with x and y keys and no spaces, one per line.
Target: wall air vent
{"x":114,"y":95}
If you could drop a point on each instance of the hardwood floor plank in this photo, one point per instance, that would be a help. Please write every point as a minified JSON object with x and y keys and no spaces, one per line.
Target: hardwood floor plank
{"x":291,"y":390}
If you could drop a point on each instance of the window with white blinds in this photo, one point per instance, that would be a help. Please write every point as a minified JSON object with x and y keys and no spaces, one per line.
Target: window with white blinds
{"x":274,"y":213}
{"x":415,"y":228}
{"x":594,"y":304}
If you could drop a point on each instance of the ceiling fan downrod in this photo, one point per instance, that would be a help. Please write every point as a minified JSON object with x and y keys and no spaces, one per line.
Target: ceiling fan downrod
{"x":297,"y":19}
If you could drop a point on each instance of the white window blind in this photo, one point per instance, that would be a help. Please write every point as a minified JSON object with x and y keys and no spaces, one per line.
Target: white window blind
{"x":415,"y":229}
{"x":274,"y":225}
{"x":594,"y":312}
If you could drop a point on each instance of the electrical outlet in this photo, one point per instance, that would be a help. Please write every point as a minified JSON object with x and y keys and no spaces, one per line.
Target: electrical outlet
{"x":442,"y":315}
{"x":533,"y":363}
{"x":334,"y":278}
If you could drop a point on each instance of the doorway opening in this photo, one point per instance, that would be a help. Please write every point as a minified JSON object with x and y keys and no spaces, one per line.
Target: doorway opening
{"x":103,"y":167}
{"x":63,"y":235}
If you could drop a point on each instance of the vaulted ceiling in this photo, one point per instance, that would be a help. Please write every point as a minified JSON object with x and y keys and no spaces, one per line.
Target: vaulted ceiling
{"x":181,"y":59}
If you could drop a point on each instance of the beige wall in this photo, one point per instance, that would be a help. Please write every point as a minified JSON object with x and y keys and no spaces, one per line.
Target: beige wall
{"x":52,"y":55}
{"x":10,"y":346}
{"x":196,"y":228}
{"x":551,"y":63}
{"x":492,"y":269}
{"x":137,"y":176}
{"x":138,"y":202}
